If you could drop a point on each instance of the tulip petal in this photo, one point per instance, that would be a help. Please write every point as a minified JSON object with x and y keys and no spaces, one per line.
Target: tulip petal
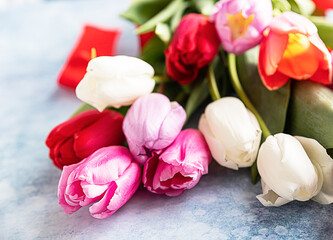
{"x":62,"y":189}
{"x":126,"y":186}
{"x":103,"y":166}
{"x":324,"y":72}
{"x":115,"y":81}
{"x":324,"y":165}
{"x":99,"y":209}
{"x":291,"y":22}
{"x":106,"y":131}
{"x":285,"y":167}
{"x":216,"y":147}
{"x":269,"y":198}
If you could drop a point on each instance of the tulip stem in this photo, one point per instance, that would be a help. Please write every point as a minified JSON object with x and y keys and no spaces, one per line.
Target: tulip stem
{"x":213,"y":89}
{"x":242,"y":95}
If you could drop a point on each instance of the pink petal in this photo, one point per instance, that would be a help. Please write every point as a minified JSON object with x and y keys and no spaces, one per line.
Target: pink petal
{"x":127,"y":184}
{"x":290,"y":22}
{"x":99,"y":209}
{"x":62,"y":188}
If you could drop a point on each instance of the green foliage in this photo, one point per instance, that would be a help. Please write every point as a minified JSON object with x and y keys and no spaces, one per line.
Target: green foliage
{"x":325,"y":29}
{"x":197,"y":96}
{"x":141,"y":11}
{"x":162,"y":16}
{"x":271,"y":105}
{"x":153,"y":53}
{"x":84,"y":107}
{"x":311,"y":112}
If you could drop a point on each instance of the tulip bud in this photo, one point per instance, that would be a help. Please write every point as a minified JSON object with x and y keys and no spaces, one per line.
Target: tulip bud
{"x":80,"y":136}
{"x":107,"y":178}
{"x":240,"y":23}
{"x":294,"y":168}
{"x":179,"y":167}
{"x":151,"y":124}
{"x":232,"y":132}
{"x":115,"y":81}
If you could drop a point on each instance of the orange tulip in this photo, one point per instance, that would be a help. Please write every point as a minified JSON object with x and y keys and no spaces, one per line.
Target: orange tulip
{"x":291,"y":48}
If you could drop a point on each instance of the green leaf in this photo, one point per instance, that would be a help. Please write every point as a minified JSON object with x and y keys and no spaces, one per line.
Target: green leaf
{"x":281,"y":5}
{"x":163,"y":16}
{"x":141,"y":11}
{"x":304,"y":7}
{"x":254,"y":173}
{"x":204,"y":6}
{"x":311,"y":112}
{"x":325,"y":29}
{"x":271,"y":105}
{"x":178,"y":16}
{"x":163,"y":32}
{"x":153,"y":53}
{"x":330,"y":152}
{"x":84,"y":107}
{"x":197,"y":96}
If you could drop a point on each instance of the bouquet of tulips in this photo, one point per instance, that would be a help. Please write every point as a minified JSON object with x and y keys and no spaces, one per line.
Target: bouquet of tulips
{"x":266,"y":68}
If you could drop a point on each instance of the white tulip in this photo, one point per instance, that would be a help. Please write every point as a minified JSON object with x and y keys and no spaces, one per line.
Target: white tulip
{"x":232,"y":132}
{"x":115,"y":81}
{"x":294,"y":168}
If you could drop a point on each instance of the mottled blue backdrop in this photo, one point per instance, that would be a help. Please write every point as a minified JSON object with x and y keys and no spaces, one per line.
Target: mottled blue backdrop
{"x":35,"y":39}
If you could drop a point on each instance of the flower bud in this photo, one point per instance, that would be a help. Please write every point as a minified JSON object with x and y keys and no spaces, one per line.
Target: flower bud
{"x":107,"y":178}
{"x":240,"y":23}
{"x":151,"y":124}
{"x":232,"y":132}
{"x":115,"y":81}
{"x":294,"y":168}
{"x":83,"y":134}
{"x":179,"y":167}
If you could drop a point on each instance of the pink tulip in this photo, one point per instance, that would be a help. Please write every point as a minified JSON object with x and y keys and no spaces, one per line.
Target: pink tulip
{"x":178,"y":167}
{"x":240,"y":23}
{"x":151,"y":124}
{"x":108,"y":177}
{"x":291,"y":48}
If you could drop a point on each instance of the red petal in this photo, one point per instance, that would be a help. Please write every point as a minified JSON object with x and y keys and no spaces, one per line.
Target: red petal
{"x":103,"y":40}
{"x":106,"y":131}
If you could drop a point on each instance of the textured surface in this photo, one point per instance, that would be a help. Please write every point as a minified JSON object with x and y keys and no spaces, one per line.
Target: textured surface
{"x":35,"y":40}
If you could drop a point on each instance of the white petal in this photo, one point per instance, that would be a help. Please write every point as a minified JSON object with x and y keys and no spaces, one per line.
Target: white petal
{"x":236,"y":128}
{"x":215,"y":146}
{"x":269,"y":198}
{"x":324,"y":164}
{"x":115,"y":81}
{"x":285,"y":167}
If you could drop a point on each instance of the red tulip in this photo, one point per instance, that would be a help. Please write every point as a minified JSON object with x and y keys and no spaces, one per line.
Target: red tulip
{"x":80,"y":136}
{"x":193,"y":46}
{"x":323,"y":4}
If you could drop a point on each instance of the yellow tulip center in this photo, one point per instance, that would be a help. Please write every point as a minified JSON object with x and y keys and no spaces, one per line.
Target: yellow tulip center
{"x":238,"y":24}
{"x":299,"y":60}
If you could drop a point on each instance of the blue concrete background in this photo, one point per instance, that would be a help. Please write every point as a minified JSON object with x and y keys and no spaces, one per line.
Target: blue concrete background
{"x":35,"y":39}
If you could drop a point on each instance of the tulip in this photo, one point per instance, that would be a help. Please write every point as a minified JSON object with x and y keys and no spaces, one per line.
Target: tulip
{"x":232,"y":132}
{"x":324,"y":4}
{"x":291,"y":48}
{"x":179,"y":167}
{"x":80,"y":136}
{"x":115,"y":81}
{"x":107,"y":178}
{"x":151,"y":124}
{"x":294,"y":168}
{"x":194,"y":45}
{"x":240,"y":23}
